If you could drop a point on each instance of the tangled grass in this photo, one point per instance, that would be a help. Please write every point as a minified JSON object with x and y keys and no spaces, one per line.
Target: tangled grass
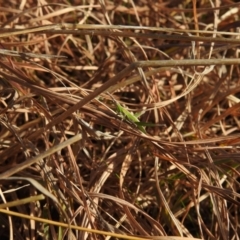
{"x":72,"y":166}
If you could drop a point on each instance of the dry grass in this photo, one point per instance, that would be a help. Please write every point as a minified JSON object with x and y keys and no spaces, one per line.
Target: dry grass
{"x":175,"y":62}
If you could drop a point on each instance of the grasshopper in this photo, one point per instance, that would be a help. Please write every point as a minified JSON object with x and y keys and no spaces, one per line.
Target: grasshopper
{"x":129,"y":116}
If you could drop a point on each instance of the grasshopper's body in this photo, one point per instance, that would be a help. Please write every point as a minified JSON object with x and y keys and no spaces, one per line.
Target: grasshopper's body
{"x":129,"y":116}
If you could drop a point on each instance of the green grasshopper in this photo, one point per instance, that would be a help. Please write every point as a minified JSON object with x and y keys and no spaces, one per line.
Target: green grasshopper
{"x":134,"y":118}
{"x":129,"y":116}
